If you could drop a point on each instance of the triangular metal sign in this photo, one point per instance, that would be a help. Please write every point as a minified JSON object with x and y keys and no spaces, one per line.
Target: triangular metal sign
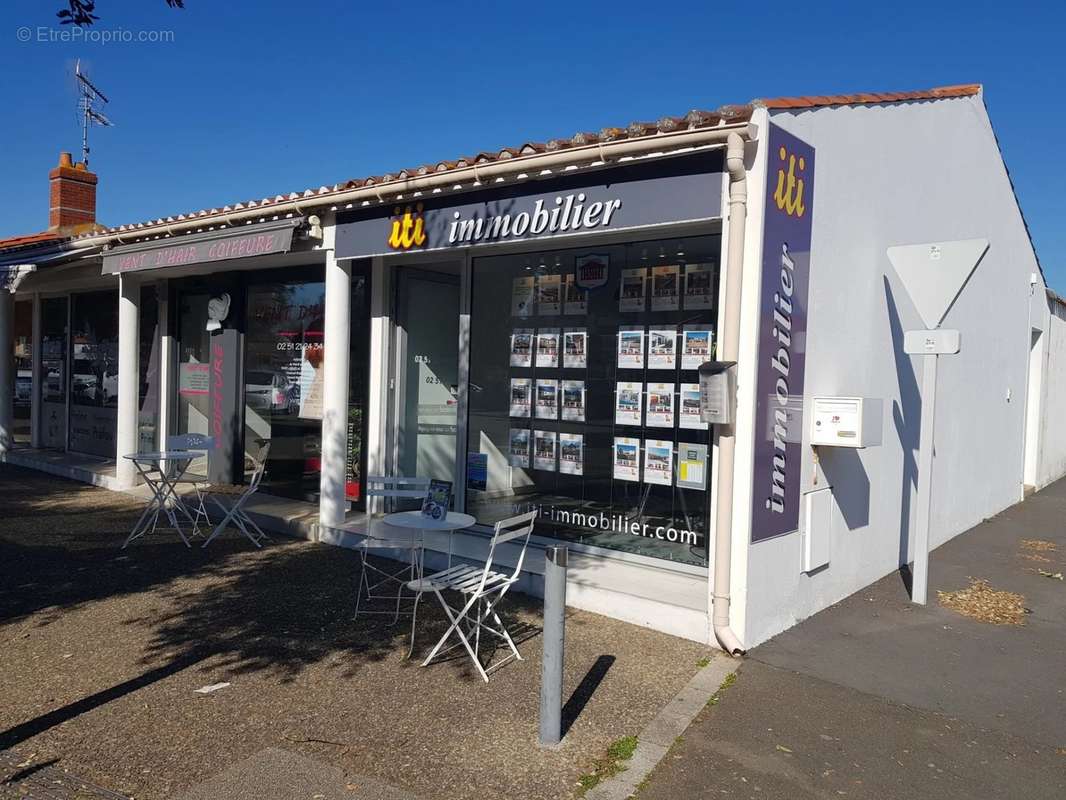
{"x":934,"y":273}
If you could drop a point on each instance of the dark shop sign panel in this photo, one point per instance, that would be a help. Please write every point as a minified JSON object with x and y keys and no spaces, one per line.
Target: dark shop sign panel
{"x":683,"y":189}
{"x":243,"y":242}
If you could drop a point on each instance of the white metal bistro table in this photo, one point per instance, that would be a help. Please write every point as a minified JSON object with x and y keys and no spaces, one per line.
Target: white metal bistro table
{"x":162,"y":482}
{"x":416,"y":520}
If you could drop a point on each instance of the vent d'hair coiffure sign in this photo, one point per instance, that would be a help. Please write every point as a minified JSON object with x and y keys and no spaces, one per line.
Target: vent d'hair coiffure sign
{"x":679,"y":189}
{"x":786,"y":263}
{"x":223,"y":245}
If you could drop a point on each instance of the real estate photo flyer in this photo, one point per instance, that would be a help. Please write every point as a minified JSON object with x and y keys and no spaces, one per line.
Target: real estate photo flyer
{"x":574,"y":401}
{"x":548,"y":347}
{"x":660,"y":405}
{"x":575,"y":348}
{"x":633,"y":289}
{"x":571,"y":453}
{"x":626,"y":459}
{"x":658,"y":462}
{"x":698,"y":286}
{"x":665,"y":293}
{"x":544,"y":450}
{"x":631,"y":347}
{"x":547,"y":399}
{"x":522,"y":297}
{"x":521,"y":389}
{"x":689,"y":412}
{"x":662,"y":348}
{"x":519,"y":448}
{"x":627,"y":403}
{"x":522,"y":347}
{"x":549,"y":295}
{"x":575,"y":298}
{"x":695,"y":346}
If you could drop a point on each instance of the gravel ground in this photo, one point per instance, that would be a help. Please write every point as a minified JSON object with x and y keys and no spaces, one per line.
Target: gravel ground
{"x":101,"y":651}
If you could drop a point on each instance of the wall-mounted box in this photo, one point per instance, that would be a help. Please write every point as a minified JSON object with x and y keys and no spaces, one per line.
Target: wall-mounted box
{"x":846,"y":421}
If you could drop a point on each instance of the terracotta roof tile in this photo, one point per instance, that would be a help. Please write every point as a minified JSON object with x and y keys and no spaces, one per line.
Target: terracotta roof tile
{"x":13,"y":242}
{"x":693,"y":120}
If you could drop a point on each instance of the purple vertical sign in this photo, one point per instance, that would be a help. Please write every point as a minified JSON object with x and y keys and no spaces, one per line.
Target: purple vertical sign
{"x":786,"y":263}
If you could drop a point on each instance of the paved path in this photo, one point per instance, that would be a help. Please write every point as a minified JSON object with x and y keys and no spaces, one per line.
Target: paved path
{"x":878,"y":698}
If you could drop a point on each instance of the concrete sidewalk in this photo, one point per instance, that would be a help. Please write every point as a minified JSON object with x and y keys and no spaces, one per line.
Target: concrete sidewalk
{"x":878,"y":698}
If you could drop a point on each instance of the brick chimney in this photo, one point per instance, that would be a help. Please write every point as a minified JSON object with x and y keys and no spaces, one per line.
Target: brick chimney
{"x":72,"y":197}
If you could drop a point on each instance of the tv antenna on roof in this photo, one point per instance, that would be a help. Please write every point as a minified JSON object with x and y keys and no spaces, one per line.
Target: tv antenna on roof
{"x":88,"y":98}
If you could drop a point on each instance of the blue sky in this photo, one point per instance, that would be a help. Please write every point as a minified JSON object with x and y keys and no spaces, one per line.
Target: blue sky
{"x":258,"y":98}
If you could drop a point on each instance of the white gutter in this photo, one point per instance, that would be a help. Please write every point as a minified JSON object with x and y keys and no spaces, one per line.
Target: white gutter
{"x":728,"y":350}
{"x":659,"y":143}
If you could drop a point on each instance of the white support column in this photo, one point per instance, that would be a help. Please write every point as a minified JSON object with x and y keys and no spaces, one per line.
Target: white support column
{"x":335,"y":386}
{"x":37,"y":373}
{"x":126,"y":438}
{"x":7,"y":369}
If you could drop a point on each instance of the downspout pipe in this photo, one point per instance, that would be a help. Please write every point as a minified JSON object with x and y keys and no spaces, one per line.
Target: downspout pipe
{"x":728,"y":350}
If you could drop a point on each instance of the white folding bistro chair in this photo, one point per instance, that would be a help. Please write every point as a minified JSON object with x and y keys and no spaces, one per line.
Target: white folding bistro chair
{"x":193,"y":441}
{"x":383,"y":537}
{"x":240,"y":495}
{"x":482,"y":589}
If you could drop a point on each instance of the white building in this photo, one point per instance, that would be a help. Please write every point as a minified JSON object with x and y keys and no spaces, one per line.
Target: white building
{"x":410,"y":323}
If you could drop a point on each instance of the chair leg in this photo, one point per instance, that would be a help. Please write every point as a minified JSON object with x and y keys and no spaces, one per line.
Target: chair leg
{"x":414,"y":621}
{"x":457,"y":627}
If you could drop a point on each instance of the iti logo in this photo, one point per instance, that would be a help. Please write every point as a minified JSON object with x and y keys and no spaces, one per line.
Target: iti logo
{"x":789,"y":192}
{"x":408,"y":228}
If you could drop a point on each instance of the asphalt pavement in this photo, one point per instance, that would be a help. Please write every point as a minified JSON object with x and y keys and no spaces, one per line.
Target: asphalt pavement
{"x":876,"y":697}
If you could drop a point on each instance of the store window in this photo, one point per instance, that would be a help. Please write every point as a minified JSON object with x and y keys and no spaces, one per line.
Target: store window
{"x":54,"y":370}
{"x":93,"y":373}
{"x":23,"y":338}
{"x":283,"y":383}
{"x":149,"y":367}
{"x":358,"y":385}
{"x":583,"y":393}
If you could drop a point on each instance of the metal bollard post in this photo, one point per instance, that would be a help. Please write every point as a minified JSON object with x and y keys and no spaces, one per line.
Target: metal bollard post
{"x":551,"y":680}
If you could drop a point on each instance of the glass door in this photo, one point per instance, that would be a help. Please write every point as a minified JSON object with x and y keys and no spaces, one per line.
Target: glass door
{"x":54,"y":373}
{"x":426,"y":371}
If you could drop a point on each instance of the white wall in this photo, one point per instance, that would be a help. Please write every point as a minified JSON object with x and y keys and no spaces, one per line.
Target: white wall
{"x":1051,"y":458}
{"x":889,"y":175}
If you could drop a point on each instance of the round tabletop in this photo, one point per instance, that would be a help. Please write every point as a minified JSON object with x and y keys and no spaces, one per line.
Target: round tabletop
{"x":417,"y":520}
{"x":166,"y":455}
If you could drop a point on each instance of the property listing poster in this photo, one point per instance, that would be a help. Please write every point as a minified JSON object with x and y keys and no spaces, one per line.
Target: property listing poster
{"x":522,"y":297}
{"x":631,"y":347}
{"x":691,"y":466}
{"x":549,"y":295}
{"x":660,"y":405}
{"x":626,"y":459}
{"x":548,"y":347}
{"x":665,"y":294}
{"x":571,"y":453}
{"x":627,"y":403}
{"x":519,"y":449}
{"x":633,"y":290}
{"x":575,"y":348}
{"x":658,"y":462}
{"x":574,"y":401}
{"x":698,"y":286}
{"x":547,"y":398}
{"x":576,"y":298}
{"x":689,"y":411}
{"x":695,"y":346}
{"x":522,"y":347}
{"x":662,"y":348}
{"x":521,"y":391}
{"x":544,"y":450}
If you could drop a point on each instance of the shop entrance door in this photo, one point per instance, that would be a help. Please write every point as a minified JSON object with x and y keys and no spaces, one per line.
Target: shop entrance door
{"x":426,"y":371}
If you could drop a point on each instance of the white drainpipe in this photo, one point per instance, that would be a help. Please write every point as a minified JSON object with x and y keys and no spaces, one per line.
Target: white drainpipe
{"x":728,"y":350}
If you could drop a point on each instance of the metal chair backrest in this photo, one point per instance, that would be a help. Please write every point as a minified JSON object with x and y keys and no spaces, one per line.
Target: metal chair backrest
{"x":259,"y":462}
{"x":190,"y":441}
{"x":397,"y":487}
{"x":510,"y":530}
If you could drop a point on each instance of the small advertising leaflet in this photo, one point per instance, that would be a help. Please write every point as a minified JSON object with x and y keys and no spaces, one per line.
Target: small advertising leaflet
{"x":547,"y":398}
{"x":628,"y":403}
{"x":521,"y":391}
{"x":575,"y":348}
{"x":695,"y":346}
{"x":522,"y":347}
{"x":576,"y":301}
{"x":522,"y":297}
{"x":633,"y":291}
{"x":574,"y":401}
{"x":631,"y":347}
{"x":664,"y":288}
{"x":658,"y":462}
{"x":549,"y":295}
{"x":626,"y":459}
{"x":689,"y":410}
{"x":544,"y":450}
{"x":662,"y":348}
{"x":571,"y":453}
{"x":548,"y":348}
{"x":660,"y":405}
{"x":699,"y":286}
{"x":519,"y":450}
